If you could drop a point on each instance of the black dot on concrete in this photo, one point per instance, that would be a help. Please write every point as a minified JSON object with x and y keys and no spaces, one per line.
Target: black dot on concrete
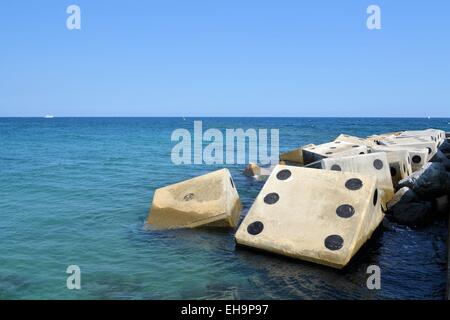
{"x":332,"y":147}
{"x":232,"y":183}
{"x":188,"y":197}
{"x":329,"y":153}
{"x":409,"y":160}
{"x":378,"y":164}
{"x":345,"y":211}
{"x":337,"y":142}
{"x":362,"y":153}
{"x":255,"y":228}
{"x":334,"y":242}
{"x":417,"y":159}
{"x":271,"y":198}
{"x":354,"y":184}
{"x":336,"y":167}
{"x":429,"y":150}
{"x":375,"y":197}
{"x":393,"y":172}
{"x":355,"y":146}
{"x":283,"y":174}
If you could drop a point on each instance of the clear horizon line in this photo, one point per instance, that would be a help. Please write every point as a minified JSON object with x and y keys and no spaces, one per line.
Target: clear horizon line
{"x":193,"y":117}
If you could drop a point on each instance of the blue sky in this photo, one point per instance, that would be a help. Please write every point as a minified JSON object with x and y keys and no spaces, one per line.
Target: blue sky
{"x":225,"y":58}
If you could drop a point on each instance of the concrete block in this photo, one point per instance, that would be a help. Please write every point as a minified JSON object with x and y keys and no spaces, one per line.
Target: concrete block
{"x":355,"y":140}
{"x":207,"y":200}
{"x":320,"y":216}
{"x":260,"y":173}
{"x":435,"y":135}
{"x":417,"y":157}
{"x":399,"y":163}
{"x":332,"y":149}
{"x":375,"y":164}
{"x":416,"y":142}
{"x":294,"y":157}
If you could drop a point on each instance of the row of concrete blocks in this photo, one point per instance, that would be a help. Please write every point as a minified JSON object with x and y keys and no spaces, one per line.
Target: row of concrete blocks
{"x":322,"y":216}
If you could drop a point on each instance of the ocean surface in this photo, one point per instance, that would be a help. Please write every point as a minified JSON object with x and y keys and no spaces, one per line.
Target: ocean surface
{"x":77,"y":191}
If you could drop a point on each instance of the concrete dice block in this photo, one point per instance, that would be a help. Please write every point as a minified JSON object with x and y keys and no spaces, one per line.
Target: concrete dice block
{"x":399,"y":163}
{"x":294,"y":157}
{"x":332,"y":149}
{"x":417,"y":157}
{"x":207,"y":200}
{"x":435,"y":135}
{"x":375,"y":164}
{"x":354,"y":140}
{"x":315,"y":215}
{"x":413,"y":142}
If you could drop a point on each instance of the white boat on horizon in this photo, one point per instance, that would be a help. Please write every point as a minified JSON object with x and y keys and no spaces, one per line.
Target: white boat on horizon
{"x":49,"y":116}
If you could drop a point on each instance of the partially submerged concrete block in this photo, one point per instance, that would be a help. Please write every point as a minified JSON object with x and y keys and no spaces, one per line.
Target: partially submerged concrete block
{"x":294,"y":157}
{"x":251,"y":170}
{"x":315,"y":215}
{"x":207,"y":200}
{"x":375,"y":164}
{"x":261,"y":173}
{"x":332,"y":149}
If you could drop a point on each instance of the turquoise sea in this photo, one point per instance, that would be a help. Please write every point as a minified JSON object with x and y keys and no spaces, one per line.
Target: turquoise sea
{"x":78,"y":190}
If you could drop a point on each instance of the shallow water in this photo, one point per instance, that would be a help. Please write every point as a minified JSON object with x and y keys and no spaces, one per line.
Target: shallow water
{"x":78,"y":191}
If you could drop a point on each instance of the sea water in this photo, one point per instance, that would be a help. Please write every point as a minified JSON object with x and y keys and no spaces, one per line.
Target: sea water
{"x":77,"y":191}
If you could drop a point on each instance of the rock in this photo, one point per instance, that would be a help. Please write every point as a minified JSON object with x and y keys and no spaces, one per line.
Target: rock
{"x":430,"y":182}
{"x":207,"y":200}
{"x":445,"y":147}
{"x":319,"y":216}
{"x":441,"y":158}
{"x":412,"y":214}
{"x":441,"y":205}
{"x":407,"y":208}
{"x":375,"y":164}
{"x":404,"y":195}
{"x":332,"y":149}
